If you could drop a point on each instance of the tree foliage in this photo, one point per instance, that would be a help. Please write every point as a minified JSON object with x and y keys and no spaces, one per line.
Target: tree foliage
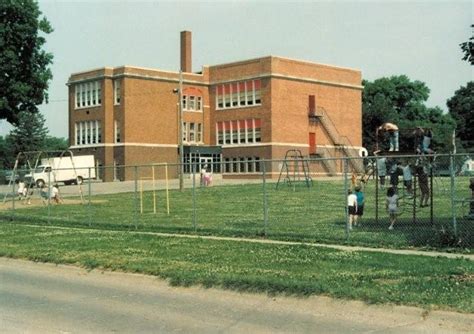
{"x":24,"y":65}
{"x":29,"y":134}
{"x":468,"y":49}
{"x":399,"y":100}
{"x":461,"y":108}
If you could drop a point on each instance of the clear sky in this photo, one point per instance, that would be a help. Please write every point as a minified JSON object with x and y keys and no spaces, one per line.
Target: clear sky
{"x":381,"y":38}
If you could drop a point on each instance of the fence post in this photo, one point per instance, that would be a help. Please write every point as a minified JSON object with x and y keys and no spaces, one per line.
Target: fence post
{"x":346,"y":188}
{"x":89,"y":195}
{"x":453,"y":193}
{"x":377,"y":184}
{"x":265,"y":203}
{"x":136,"y":197}
{"x":12,"y":180}
{"x":49,"y":197}
{"x":194,"y":196}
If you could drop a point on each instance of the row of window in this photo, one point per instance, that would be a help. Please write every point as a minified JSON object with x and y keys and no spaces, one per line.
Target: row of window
{"x":88,"y":94}
{"x":88,"y":132}
{"x":192,"y":132}
{"x":191,"y":103}
{"x":238,"y":94}
{"x":232,"y":95}
{"x":242,"y":165}
{"x":246,"y":131}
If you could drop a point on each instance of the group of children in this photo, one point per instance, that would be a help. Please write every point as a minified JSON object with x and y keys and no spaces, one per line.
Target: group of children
{"x":355,"y":206}
{"x":394,"y":169}
{"x":52,"y":193}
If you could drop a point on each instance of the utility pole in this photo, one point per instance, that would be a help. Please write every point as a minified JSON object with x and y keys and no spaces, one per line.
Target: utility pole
{"x":180,"y":118}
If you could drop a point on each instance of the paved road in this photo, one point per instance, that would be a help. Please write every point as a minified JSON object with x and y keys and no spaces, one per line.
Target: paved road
{"x":44,"y":298}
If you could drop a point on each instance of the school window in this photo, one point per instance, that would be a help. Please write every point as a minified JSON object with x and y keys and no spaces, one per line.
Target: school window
{"x":239,"y":132}
{"x":257,"y":164}
{"x":199,"y":103}
{"x":185,"y":131}
{"x":88,"y":133}
{"x":191,"y":103}
{"x":227,"y":133}
{"x":235,"y":132}
{"x":238,"y":94}
{"x":78,"y":133}
{"x":199,"y":133}
{"x":228,"y":165}
{"x":191,"y":132}
{"x":250,"y":164}
{"x":117,"y":132}
{"x":117,"y":91}
{"x":87,"y":94}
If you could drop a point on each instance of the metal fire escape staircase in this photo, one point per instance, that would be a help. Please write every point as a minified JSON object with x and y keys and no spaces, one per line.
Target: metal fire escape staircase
{"x":339,"y":141}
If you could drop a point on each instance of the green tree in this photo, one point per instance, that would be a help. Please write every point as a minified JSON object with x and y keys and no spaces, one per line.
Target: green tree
{"x":399,"y":100}
{"x":461,"y":108}
{"x":468,"y":49}
{"x":24,"y":65}
{"x":56,"y":144}
{"x":396,"y":99}
{"x":29,"y":134}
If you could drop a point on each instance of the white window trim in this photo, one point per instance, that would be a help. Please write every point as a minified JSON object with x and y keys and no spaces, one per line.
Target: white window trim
{"x":84,"y":95}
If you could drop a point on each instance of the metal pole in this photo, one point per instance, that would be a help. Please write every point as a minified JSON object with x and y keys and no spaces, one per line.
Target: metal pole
{"x":180,"y":117}
{"x":49,"y":197}
{"x":415,"y":178}
{"x":265,"y":203}
{"x":167,"y":190}
{"x":89,"y":194}
{"x":194,"y":196}
{"x":136,"y":197}
{"x":346,"y":190}
{"x":12,"y":180}
{"x":453,"y":193}
{"x":376,"y":190}
{"x":431,"y":193}
{"x":154,"y":192}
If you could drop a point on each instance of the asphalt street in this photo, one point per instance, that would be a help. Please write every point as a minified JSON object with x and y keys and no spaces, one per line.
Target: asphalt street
{"x":45,"y":298}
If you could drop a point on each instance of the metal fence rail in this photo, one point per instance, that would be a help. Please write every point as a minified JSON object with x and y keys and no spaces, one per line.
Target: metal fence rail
{"x":435,"y":208}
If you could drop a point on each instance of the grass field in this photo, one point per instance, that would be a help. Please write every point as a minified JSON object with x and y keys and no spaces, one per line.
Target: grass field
{"x":432,"y":283}
{"x":314,"y":214}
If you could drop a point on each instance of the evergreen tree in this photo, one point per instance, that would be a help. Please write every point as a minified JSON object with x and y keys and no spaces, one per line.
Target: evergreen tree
{"x":29,"y":134}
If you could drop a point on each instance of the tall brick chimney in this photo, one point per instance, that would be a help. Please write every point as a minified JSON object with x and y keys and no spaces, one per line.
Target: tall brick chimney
{"x":186,"y":55}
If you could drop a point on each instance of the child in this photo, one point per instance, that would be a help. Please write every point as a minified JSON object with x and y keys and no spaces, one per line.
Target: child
{"x":55,"y":194}
{"x":392,"y":206}
{"x":351,"y":207}
{"x":22,"y":190}
{"x":360,"y":204}
{"x":407,"y":178}
{"x":382,"y":170}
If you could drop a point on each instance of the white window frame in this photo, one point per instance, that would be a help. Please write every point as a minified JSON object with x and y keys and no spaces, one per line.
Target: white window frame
{"x":117,"y":91}
{"x":87,"y":94}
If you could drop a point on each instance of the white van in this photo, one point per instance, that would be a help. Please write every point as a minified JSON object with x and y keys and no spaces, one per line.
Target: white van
{"x":64,"y":169}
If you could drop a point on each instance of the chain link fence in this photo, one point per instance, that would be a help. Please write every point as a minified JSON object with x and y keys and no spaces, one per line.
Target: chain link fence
{"x":296,"y":199}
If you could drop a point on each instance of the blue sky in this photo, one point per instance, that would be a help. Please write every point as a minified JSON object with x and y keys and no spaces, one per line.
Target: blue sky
{"x":381,"y":38}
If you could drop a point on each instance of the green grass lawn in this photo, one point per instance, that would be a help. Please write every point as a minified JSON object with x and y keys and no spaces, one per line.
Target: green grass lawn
{"x":438,"y":283}
{"x":314,"y":214}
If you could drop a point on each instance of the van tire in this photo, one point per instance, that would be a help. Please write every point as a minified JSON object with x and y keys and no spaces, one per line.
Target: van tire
{"x":40,"y":183}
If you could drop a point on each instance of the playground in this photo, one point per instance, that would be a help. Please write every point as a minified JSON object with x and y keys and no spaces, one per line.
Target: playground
{"x":257,"y":208}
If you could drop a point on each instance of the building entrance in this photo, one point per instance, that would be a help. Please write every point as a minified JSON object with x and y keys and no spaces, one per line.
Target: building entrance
{"x":199,"y":156}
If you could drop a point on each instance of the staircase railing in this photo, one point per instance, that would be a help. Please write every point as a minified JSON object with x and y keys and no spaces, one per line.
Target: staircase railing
{"x":342,"y":141}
